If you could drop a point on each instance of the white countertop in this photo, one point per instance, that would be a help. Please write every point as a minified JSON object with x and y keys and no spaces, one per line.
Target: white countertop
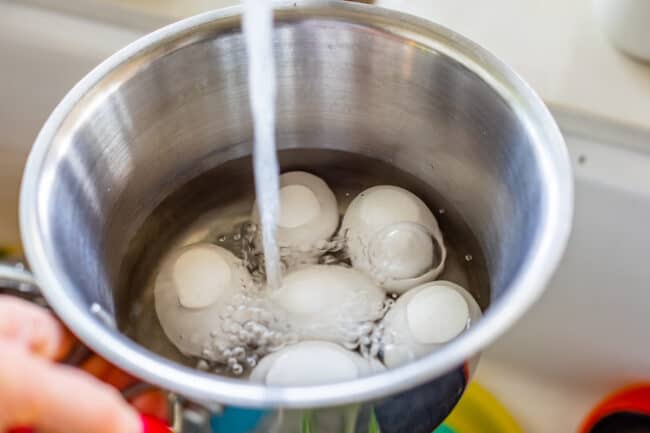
{"x":556,"y":46}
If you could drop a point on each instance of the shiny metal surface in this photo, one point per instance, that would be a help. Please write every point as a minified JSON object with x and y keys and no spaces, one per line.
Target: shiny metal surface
{"x":17,"y":281}
{"x":17,"y":274}
{"x":350,"y":77}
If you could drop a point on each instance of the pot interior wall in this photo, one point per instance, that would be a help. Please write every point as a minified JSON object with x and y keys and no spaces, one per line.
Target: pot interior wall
{"x":177,"y":111}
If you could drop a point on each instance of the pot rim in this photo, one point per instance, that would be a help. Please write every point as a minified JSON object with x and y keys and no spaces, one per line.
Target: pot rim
{"x":545,"y":253}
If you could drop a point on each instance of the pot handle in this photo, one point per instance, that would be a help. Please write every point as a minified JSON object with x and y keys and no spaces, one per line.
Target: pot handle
{"x":16,"y":279}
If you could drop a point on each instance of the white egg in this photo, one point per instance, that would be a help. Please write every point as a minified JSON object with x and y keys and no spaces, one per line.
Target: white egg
{"x":393,"y":236}
{"x":313,"y":363}
{"x":424,"y":318}
{"x":193,"y":286}
{"x":328,"y":302}
{"x":308,"y":210}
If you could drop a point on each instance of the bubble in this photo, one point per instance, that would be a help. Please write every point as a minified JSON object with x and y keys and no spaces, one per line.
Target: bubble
{"x":244,"y":336}
{"x":366,"y":327}
{"x":265,"y":316}
{"x":468,"y":257}
{"x":388,"y":304}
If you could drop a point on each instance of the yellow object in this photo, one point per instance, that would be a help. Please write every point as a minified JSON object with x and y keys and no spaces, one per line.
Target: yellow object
{"x":8,"y":252}
{"x":480,"y":412}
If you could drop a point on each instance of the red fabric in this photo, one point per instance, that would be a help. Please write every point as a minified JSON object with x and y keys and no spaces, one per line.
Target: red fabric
{"x":633,"y":399}
{"x":152,"y":403}
{"x":153,"y":425}
{"x":149,"y":425}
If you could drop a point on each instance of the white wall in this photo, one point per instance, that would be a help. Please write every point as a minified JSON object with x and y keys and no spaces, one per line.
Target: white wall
{"x":42,"y":55}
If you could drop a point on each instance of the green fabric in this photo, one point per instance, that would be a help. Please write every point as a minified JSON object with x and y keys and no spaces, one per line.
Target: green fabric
{"x":444,"y":429}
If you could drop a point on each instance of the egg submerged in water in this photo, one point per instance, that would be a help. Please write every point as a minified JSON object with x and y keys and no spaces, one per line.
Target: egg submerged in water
{"x":308,"y":210}
{"x":392,"y":236}
{"x":313,"y":363}
{"x":425,"y":318}
{"x":193,"y":286}
{"x":209,"y":306}
{"x":328,"y":302}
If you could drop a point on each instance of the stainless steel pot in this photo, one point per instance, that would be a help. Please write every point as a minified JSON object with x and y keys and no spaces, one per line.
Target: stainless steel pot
{"x":357,"y":78}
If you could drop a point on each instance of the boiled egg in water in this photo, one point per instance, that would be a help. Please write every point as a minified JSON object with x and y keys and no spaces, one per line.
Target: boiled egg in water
{"x":192,"y":288}
{"x":393,"y":236}
{"x":313,"y":363}
{"x":308,"y":210}
{"x":425,"y":318}
{"x":329,"y":302}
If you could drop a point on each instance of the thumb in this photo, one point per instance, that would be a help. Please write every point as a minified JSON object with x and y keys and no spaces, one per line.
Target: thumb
{"x":58,"y":399}
{"x":30,"y":326}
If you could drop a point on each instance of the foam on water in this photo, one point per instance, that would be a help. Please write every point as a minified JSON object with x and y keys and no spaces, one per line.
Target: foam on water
{"x":258,"y":32}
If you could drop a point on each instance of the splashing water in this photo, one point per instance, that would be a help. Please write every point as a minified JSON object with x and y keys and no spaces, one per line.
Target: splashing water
{"x":258,"y":33}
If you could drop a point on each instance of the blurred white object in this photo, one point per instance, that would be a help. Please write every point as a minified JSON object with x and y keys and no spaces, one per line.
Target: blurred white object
{"x":627,"y":22}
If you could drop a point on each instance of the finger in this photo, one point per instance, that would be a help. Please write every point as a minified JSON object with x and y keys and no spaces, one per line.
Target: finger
{"x":29,"y":326}
{"x":58,"y":399}
{"x":68,"y":341}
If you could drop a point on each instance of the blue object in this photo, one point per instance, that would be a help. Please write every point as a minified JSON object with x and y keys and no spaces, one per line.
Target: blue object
{"x":237,"y":420}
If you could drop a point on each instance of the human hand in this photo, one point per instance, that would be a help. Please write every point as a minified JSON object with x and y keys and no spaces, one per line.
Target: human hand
{"x":34,"y":391}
